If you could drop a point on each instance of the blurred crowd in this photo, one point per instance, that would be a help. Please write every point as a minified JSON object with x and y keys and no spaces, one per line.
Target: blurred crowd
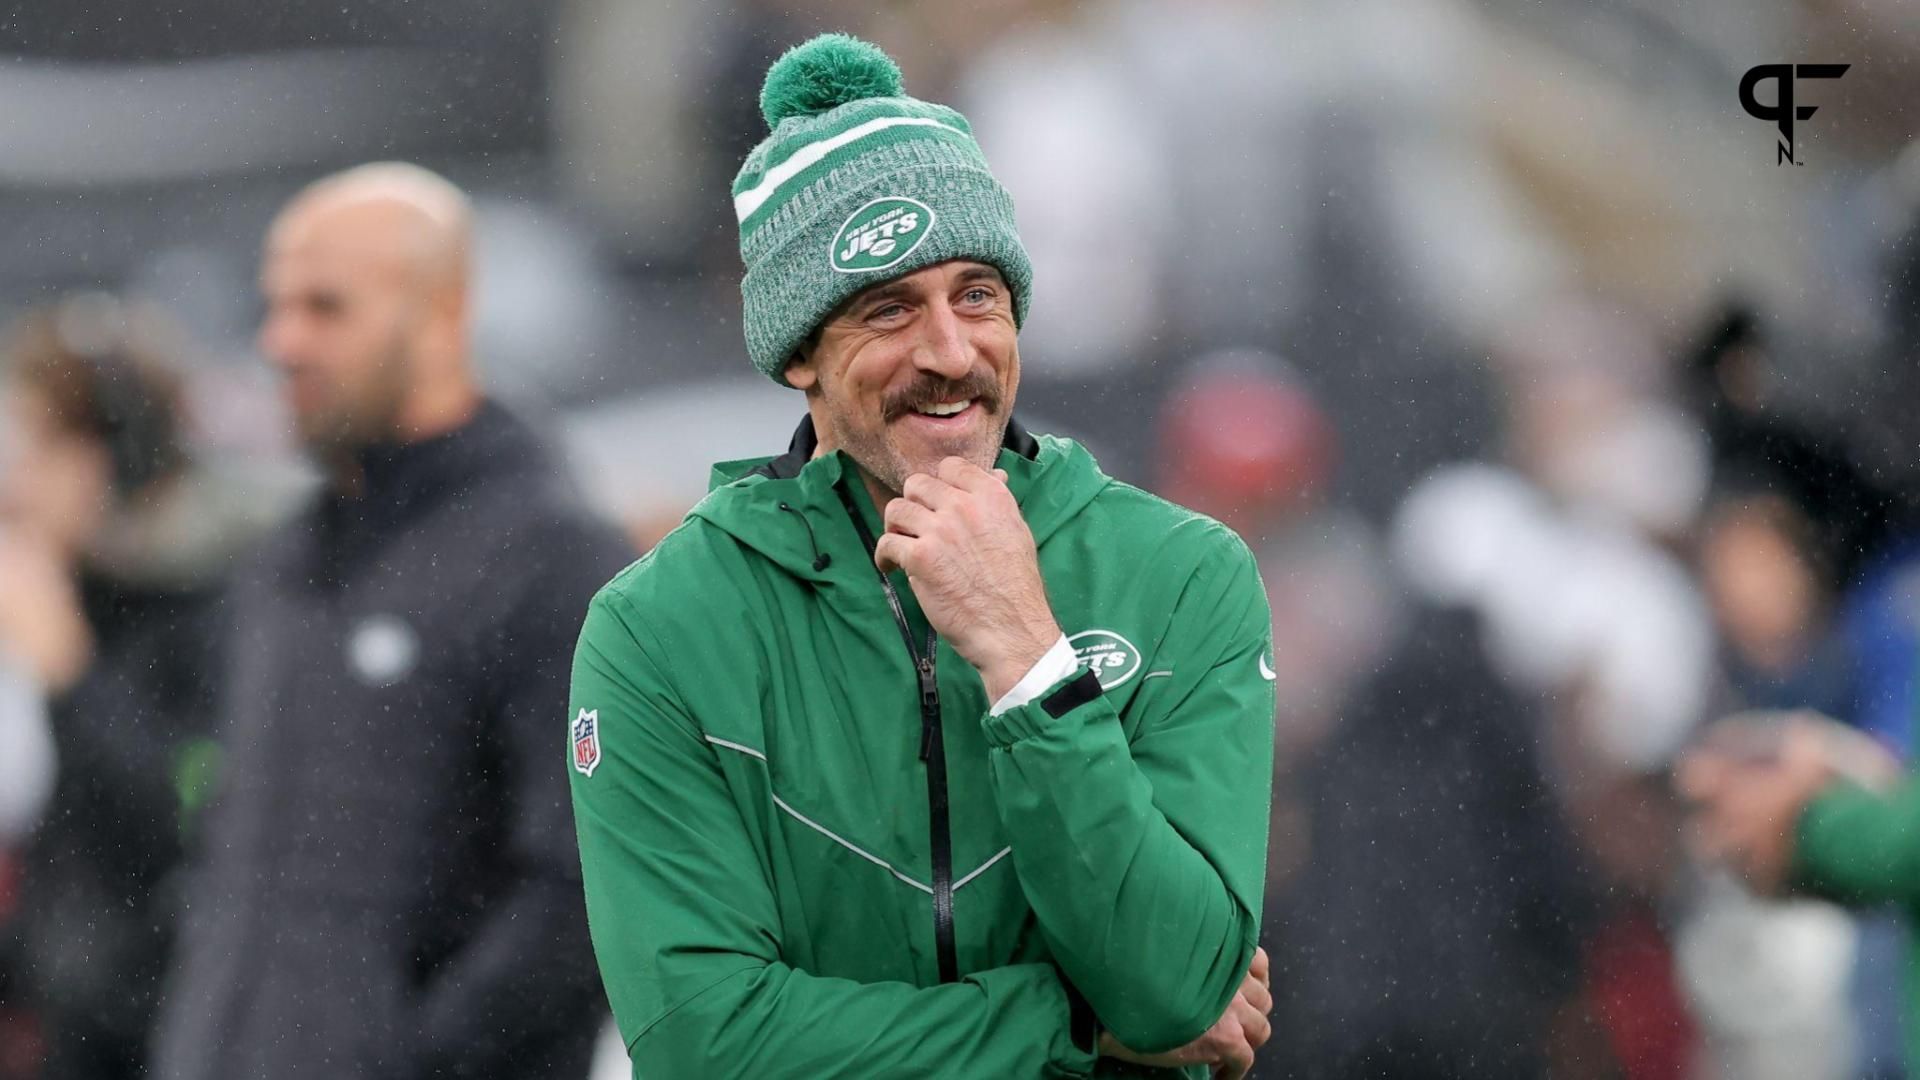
{"x":1562,"y":419}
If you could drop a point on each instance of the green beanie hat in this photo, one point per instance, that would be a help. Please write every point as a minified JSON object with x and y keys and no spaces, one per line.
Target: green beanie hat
{"x":856,"y":185}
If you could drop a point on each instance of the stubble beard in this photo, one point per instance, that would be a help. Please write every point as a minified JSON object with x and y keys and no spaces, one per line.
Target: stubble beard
{"x":367,"y":417}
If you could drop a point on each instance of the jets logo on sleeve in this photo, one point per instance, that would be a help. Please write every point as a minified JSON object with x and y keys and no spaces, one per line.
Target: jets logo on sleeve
{"x":1112,"y":658}
{"x":586,"y":742}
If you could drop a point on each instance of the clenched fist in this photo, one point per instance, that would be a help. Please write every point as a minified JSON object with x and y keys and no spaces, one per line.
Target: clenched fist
{"x":1226,"y":1048}
{"x":970,"y":557}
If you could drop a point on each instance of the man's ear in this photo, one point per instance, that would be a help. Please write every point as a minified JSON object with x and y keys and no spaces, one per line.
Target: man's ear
{"x":800,"y":372}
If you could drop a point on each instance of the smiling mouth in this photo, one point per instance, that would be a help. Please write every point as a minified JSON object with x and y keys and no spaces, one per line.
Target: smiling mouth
{"x":942,"y":417}
{"x":942,"y":410}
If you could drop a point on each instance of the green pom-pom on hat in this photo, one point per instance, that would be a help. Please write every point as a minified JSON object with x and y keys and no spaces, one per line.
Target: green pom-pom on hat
{"x":825,"y":73}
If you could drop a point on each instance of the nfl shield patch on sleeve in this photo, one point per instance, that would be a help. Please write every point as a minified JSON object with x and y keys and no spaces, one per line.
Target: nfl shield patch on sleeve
{"x":586,"y":741}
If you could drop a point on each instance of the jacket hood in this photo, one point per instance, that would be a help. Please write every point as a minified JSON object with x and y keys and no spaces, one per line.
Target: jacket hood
{"x":789,"y":508}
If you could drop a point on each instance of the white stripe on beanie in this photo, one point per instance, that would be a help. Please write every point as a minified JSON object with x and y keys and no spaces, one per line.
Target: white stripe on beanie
{"x":745,"y":203}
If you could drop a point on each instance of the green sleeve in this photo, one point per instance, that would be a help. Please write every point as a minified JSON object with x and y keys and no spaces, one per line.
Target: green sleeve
{"x":1145,"y":861}
{"x":1860,"y":848}
{"x":688,"y":937}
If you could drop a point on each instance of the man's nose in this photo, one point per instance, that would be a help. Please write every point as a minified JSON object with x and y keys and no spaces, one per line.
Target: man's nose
{"x":274,"y":340}
{"x":944,"y":349}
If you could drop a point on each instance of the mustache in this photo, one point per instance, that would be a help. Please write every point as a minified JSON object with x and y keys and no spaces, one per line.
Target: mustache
{"x":978,"y":386}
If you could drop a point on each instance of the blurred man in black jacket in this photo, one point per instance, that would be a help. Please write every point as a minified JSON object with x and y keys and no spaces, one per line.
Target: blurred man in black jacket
{"x":387,"y":885}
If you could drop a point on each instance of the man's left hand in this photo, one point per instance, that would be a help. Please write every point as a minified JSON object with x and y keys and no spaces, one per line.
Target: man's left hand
{"x":959,"y":536}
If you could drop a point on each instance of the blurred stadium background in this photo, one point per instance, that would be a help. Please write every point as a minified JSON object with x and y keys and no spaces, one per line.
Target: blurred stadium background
{"x":1562,"y":417}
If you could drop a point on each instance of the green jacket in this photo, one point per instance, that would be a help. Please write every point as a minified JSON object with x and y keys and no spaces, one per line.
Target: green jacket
{"x":804,"y":859}
{"x":1862,"y":848}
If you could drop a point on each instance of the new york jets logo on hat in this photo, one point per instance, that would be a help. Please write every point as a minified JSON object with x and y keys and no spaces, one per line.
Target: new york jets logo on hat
{"x":879,"y":235}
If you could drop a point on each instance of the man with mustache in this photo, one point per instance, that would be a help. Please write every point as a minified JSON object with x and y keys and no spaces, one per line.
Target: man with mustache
{"x":924,"y":748}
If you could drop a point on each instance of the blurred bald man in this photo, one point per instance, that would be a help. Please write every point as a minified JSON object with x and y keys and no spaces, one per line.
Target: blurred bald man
{"x":386,"y":885}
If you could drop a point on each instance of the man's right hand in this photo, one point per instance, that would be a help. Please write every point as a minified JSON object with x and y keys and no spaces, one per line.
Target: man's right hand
{"x":1229,"y":1044}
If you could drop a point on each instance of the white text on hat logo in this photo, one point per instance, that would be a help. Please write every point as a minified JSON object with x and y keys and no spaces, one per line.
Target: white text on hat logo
{"x":1112,"y":658}
{"x":879,"y":235}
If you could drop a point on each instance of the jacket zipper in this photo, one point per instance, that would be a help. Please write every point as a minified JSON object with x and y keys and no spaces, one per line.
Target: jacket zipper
{"x":933,"y":752}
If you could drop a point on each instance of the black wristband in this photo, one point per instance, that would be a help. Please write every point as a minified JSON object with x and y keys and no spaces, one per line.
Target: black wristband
{"x":1073,"y":695}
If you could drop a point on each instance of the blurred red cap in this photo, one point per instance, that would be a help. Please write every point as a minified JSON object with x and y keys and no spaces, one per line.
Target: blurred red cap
{"x":1244,"y":440}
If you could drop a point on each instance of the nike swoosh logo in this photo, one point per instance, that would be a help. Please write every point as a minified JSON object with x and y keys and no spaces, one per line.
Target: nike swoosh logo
{"x":1265,"y":671}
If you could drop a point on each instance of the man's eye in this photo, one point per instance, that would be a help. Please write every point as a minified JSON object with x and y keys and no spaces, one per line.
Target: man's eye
{"x":887,"y":311}
{"x":979,"y":294}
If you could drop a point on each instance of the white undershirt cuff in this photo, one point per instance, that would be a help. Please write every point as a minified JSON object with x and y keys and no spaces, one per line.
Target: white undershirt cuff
{"x":1058,"y":663}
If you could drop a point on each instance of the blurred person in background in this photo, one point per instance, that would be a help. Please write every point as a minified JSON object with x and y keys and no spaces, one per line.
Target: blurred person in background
{"x":1811,"y":559}
{"x":1814,"y":568}
{"x":1809,"y":808}
{"x":385,"y":885}
{"x":110,"y":603}
{"x":1732,"y":384}
{"x":43,"y":645}
{"x":1770,"y":981}
{"x":1763,"y":573}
